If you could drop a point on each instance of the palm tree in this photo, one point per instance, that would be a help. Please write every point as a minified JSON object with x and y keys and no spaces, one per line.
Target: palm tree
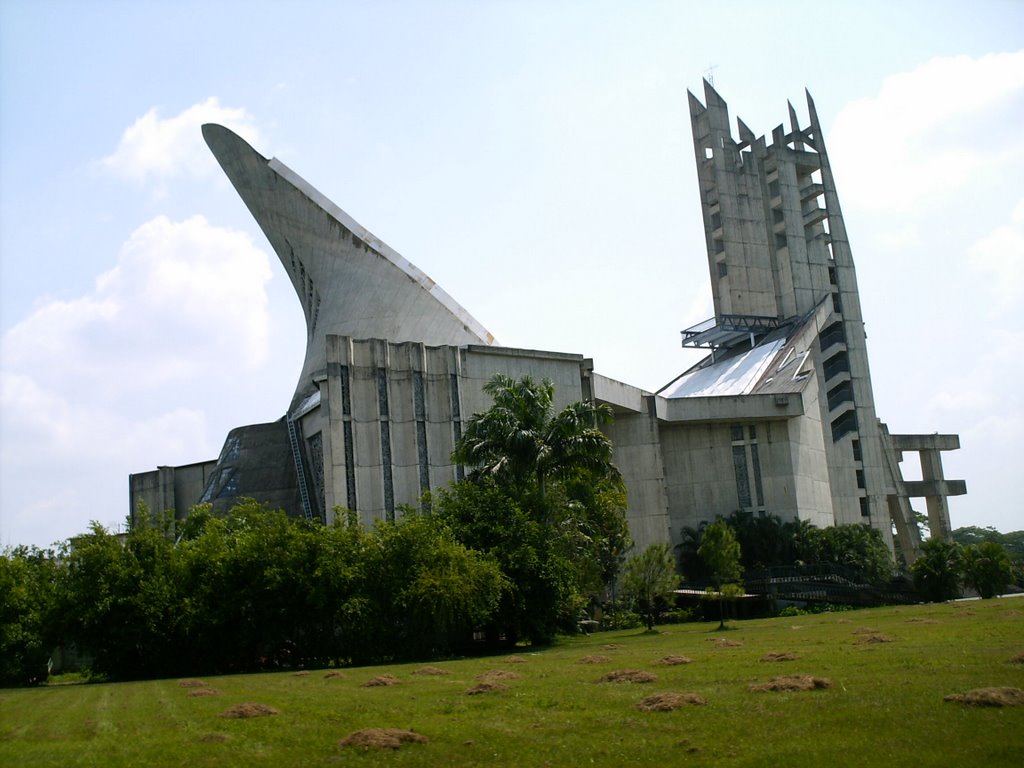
{"x":523,"y":445}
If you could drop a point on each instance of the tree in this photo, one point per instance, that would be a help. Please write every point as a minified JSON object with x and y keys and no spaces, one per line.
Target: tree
{"x":424,"y":589}
{"x":552,"y":475}
{"x":523,"y":445}
{"x":764,"y":539}
{"x":650,"y":577}
{"x":938,"y":569}
{"x":859,"y":548}
{"x":987,"y":568}
{"x":26,"y":596}
{"x":1013,"y":543}
{"x":483,"y":517}
{"x":721,"y":553}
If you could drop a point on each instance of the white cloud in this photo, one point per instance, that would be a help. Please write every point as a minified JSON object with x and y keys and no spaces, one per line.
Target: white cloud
{"x":918,"y":140}
{"x":1001,"y":255}
{"x":162,"y":148}
{"x":184,"y":296}
{"x":127,"y":376}
{"x":988,"y":381}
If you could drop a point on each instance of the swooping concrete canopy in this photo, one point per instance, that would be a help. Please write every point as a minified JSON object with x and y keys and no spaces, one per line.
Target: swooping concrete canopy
{"x":348,"y":281}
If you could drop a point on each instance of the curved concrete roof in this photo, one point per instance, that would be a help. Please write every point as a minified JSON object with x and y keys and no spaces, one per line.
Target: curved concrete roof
{"x":348,"y":281}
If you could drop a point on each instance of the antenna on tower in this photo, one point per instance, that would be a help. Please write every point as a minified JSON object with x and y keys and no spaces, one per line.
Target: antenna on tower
{"x":709,"y":74}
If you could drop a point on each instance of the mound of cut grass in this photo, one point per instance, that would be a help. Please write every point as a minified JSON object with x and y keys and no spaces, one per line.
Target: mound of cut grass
{"x":673,"y":660}
{"x":381,"y":738}
{"x":989,"y":697}
{"x":430,"y":670}
{"x":668,"y":702}
{"x":381,"y":681}
{"x":792,"y":683}
{"x":486,"y":686}
{"x":628,"y":676}
{"x":249,"y":709}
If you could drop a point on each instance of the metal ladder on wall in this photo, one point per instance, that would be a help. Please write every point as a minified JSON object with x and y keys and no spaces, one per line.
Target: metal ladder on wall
{"x":293,"y":439}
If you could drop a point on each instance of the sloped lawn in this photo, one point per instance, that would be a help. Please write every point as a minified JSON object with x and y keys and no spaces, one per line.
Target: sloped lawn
{"x":881,"y":678}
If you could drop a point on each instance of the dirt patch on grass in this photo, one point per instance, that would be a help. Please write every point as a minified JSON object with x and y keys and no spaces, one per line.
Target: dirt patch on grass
{"x":303,"y":673}
{"x":628,"y":676}
{"x":435,"y":671}
{"x":873,"y":638}
{"x":1018,"y":659}
{"x":380,"y":681}
{"x":192,"y":683}
{"x":595,"y":659}
{"x":611,"y":646}
{"x":333,"y":675}
{"x":917,"y":620}
{"x":989,"y":697}
{"x":842,"y":621}
{"x":673,"y":661}
{"x":667,"y":702}
{"x":249,"y":710}
{"x":382,"y":738}
{"x":515,"y":660}
{"x":780,"y":657}
{"x":487,"y":686}
{"x":204,"y":692}
{"x":865,"y":631}
{"x":792,"y":683}
{"x":722,"y":642}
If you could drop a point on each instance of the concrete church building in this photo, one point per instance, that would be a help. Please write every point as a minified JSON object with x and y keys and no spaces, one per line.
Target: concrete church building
{"x":779,"y":418}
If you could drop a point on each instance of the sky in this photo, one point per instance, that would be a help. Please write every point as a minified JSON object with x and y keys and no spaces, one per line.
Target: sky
{"x":534,"y":158}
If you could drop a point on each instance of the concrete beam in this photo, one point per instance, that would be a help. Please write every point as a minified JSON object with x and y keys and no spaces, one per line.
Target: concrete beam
{"x":934,"y":442}
{"x":924,"y":488}
{"x":770,"y":407}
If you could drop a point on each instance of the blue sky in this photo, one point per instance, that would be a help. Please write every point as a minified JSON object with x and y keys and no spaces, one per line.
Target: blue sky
{"x":534,"y":158}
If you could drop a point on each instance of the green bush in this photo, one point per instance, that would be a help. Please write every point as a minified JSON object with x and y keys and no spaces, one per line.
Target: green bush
{"x":987,"y":568}
{"x":621,"y":618}
{"x":792,"y":610}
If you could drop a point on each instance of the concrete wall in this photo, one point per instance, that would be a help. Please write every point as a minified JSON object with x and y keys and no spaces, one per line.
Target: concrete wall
{"x":390,"y":415}
{"x":169,"y":488}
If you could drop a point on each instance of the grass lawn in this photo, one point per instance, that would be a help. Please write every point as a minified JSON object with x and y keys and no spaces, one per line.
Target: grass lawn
{"x":889,"y":670}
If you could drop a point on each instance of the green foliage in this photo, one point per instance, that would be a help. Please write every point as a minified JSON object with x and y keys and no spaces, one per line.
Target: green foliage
{"x":116,"y":599}
{"x":987,"y":568}
{"x":1013,"y":543}
{"x":26,"y":586}
{"x":543,"y":498}
{"x":425,"y":590}
{"x":720,"y":552}
{"x":619,"y":615}
{"x":857,"y":547}
{"x":523,"y":445}
{"x":766,"y":541}
{"x":257,"y":589}
{"x":938,"y":570}
{"x":721,"y":555}
{"x":792,"y":610}
{"x":538,"y":574}
{"x":649,"y":579}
